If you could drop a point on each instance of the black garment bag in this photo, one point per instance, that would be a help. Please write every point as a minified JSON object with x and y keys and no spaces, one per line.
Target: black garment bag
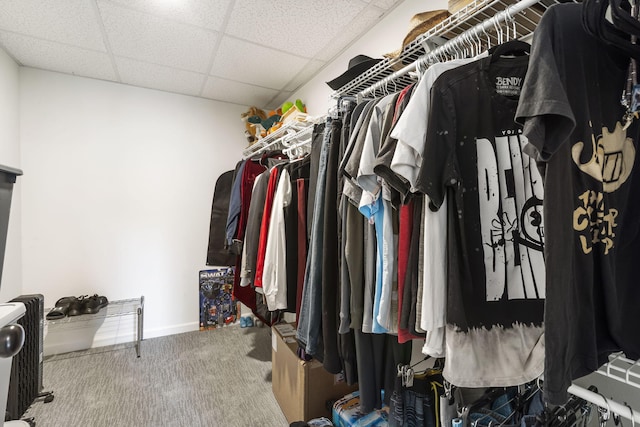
{"x":216,"y":253}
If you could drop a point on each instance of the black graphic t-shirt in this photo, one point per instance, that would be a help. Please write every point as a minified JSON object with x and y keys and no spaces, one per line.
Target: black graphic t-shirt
{"x":495,"y":272}
{"x":570,"y":105}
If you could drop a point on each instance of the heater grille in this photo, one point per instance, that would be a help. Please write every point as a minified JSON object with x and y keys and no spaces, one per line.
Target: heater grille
{"x":26,"y":371}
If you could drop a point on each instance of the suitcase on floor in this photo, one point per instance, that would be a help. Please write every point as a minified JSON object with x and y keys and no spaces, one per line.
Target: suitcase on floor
{"x":346,"y":413}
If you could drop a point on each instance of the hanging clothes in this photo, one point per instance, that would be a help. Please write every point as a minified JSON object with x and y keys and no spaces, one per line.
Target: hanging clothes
{"x":407,"y":264}
{"x":411,"y":244}
{"x":302,"y":186}
{"x":495,"y":275}
{"x":309,"y":332}
{"x":295,"y":230}
{"x":372,"y":206}
{"x":216,"y":253}
{"x":274,"y":274}
{"x":252,"y":232}
{"x":411,"y":128}
{"x":235,"y":206}
{"x":264,"y":226}
{"x":330,"y":250}
{"x":573,"y":119}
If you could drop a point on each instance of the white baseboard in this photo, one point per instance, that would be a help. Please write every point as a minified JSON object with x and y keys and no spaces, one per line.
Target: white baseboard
{"x":171,"y":330}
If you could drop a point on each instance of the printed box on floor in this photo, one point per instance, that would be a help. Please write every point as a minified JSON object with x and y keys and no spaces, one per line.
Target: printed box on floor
{"x":346,"y":413}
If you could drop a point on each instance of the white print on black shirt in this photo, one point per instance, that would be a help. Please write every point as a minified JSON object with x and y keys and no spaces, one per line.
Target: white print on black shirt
{"x":611,"y":163}
{"x":510,"y":194}
{"x":509,"y":86}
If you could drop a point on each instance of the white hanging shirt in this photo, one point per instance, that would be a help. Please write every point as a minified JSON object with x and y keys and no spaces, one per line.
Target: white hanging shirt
{"x":411,"y":128}
{"x":274,"y":276}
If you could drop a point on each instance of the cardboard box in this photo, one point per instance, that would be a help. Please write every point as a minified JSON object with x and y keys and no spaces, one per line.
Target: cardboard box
{"x":301,"y":388}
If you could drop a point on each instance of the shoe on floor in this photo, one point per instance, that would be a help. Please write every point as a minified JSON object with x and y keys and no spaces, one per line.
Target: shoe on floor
{"x":249,"y":321}
{"x":93,"y":304}
{"x":75,"y":307}
{"x":61,"y":309}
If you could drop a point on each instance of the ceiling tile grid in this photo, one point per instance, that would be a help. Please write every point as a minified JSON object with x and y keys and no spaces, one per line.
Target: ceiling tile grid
{"x":248,"y":52}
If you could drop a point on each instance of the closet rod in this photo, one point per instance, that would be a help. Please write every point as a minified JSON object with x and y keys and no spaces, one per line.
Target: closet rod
{"x":603,"y":402}
{"x":508,"y":13}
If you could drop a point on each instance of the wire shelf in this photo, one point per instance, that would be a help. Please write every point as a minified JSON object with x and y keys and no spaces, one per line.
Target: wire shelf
{"x":475,"y":13}
{"x":622,"y":369}
{"x":113,"y":309}
{"x":281,"y":137}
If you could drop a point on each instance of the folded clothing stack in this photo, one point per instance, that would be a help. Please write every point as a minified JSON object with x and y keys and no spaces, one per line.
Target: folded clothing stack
{"x":75,"y":306}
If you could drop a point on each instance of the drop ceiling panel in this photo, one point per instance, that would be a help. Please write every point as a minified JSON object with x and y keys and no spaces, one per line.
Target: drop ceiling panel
{"x":157,"y":40}
{"x":73,"y":22}
{"x":59,"y":57}
{"x":207,"y":14}
{"x":238,"y":93}
{"x":153,"y":76}
{"x":365,"y":20}
{"x":302,"y":27}
{"x":261,"y":66}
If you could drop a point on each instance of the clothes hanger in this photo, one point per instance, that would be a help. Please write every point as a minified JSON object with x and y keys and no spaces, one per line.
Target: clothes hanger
{"x":569,"y":414}
{"x":623,"y":18}
{"x":488,"y":38}
{"x":459,"y":51}
{"x":604,"y":413}
{"x":489,"y":396}
{"x":466,"y":51}
{"x":525,"y":393}
{"x":510,"y":48}
{"x":478,"y":42}
{"x":472,"y":47}
{"x":493,"y":412}
{"x":273,"y":154}
{"x":633,"y":415}
{"x":498,"y":29}
{"x":595,"y":23}
{"x":513,"y":47}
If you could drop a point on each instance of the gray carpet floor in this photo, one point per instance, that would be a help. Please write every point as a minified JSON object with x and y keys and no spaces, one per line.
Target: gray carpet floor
{"x":208,"y":378}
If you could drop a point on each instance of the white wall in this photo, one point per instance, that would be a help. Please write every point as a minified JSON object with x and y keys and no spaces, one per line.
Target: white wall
{"x":385,"y":37}
{"x":117,"y":191}
{"x":10,"y":156}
